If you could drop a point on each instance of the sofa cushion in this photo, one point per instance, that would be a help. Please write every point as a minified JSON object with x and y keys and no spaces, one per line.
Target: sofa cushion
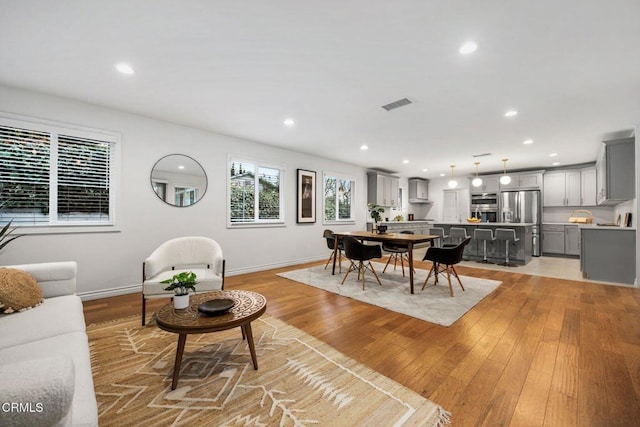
{"x":55,"y":316}
{"x":18,"y":290}
{"x":38,"y":391}
{"x":75,"y":345}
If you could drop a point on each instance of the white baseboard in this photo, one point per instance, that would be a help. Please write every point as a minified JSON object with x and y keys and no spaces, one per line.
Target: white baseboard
{"x":124,"y":290}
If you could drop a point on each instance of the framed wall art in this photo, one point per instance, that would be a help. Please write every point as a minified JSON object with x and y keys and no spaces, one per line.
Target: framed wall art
{"x":306,"y":196}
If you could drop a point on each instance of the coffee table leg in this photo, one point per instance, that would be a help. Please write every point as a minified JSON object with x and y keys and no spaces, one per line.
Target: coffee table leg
{"x":182,"y":338}
{"x":247,"y":331}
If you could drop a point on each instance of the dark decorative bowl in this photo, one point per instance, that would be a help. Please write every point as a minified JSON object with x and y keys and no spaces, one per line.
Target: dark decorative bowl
{"x":382,"y":229}
{"x":215,"y":306}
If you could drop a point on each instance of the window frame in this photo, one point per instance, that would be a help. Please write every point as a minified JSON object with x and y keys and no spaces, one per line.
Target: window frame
{"x":55,"y":128}
{"x":257,"y":223}
{"x":339,"y":176}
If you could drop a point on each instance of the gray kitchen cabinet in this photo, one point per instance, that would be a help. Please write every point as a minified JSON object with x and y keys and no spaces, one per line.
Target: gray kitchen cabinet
{"x":608,"y":254}
{"x":562,"y":188}
{"x":615,"y":172}
{"x":553,"y":239}
{"x":571,"y":240}
{"x":523,"y":181}
{"x":382,"y":189}
{"x":588,"y":187}
{"x":418,"y":190}
{"x":490,"y":184}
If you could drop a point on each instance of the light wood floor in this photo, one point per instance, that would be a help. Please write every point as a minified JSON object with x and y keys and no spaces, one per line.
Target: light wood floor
{"x":538,"y":351}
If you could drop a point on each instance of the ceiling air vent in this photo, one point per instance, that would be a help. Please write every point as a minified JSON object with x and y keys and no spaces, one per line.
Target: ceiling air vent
{"x":397,"y":104}
{"x":481,"y":155}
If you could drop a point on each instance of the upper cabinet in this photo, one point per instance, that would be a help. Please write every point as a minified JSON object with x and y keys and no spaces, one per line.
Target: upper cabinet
{"x":573,"y":187}
{"x":615,"y":172}
{"x":418,"y":190}
{"x":490,"y":184}
{"x":382,"y":189}
{"x":523,"y":181}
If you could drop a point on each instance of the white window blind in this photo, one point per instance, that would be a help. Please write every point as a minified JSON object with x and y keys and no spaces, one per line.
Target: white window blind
{"x":255,"y":193}
{"x":54,"y":176}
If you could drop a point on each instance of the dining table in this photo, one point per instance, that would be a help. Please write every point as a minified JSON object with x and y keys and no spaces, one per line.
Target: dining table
{"x":400,"y":239}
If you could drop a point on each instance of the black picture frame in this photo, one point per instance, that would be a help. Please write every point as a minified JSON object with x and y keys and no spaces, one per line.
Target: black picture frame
{"x":306,"y":196}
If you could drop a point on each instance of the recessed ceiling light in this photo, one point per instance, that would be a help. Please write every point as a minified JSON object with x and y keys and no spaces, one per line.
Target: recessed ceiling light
{"x":443,"y":174}
{"x":124,"y":68}
{"x":511,"y":113}
{"x":555,"y":163}
{"x":289,"y":122}
{"x":405,"y":161}
{"x":528,"y":142}
{"x":364,"y":147}
{"x":467,"y":48}
{"x":180,"y":167}
{"x":553,"y":155}
{"x":425,"y":170}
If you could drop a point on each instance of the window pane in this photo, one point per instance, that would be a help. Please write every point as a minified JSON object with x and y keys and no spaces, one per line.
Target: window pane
{"x":242,"y":192}
{"x":269,"y":193}
{"x":344,"y":199}
{"x":83,"y":179}
{"x":330,"y":198}
{"x":24,"y":176}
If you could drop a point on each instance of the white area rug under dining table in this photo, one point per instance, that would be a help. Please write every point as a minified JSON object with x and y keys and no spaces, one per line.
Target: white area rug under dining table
{"x":434,"y":304}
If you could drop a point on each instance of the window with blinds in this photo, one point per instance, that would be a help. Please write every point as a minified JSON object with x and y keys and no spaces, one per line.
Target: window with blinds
{"x":54,"y":176}
{"x":338,"y":198}
{"x":255,"y":193}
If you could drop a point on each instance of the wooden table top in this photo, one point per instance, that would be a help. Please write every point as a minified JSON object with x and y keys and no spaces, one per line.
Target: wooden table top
{"x":389,"y":237}
{"x":248,"y":307}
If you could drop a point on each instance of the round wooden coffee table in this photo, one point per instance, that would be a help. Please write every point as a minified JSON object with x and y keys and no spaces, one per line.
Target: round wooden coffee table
{"x":248,"y":307}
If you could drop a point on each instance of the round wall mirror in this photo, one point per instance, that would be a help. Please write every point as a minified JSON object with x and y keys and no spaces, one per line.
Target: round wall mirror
{"x":178,"y":180}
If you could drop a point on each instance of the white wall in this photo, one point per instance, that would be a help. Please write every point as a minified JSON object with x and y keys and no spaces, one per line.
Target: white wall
{"x":108,"y":261}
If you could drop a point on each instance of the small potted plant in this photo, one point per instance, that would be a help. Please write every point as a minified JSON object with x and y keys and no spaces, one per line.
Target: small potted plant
{"x":375,"y":211}
{"x":181,"y":284}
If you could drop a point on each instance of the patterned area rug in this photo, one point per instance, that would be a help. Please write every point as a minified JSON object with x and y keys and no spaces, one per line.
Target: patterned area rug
{"x":434,"y":304}
{"x":301,"y":381}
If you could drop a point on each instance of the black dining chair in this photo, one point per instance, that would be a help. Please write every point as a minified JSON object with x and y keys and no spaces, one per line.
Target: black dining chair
{"x":331,"y":241}
{"x":360,"y":256}
{"x":397,"y":252}
{"x":443,"y":260}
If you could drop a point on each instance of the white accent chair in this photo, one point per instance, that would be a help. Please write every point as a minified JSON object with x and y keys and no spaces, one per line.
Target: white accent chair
{"x":201,"y":255}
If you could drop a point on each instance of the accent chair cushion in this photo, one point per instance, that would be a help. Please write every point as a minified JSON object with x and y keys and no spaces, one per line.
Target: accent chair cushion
{"x":18,"y":291}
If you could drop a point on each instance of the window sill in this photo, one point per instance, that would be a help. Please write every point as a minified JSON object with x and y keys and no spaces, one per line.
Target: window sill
{"x":256,"y":225}
{"x":66,"y":229}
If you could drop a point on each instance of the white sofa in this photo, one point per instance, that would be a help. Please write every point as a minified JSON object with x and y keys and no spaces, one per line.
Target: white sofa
{"x":45,"y":367}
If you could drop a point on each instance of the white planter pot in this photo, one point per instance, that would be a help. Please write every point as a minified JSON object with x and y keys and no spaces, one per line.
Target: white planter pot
{"x":180,"y":301}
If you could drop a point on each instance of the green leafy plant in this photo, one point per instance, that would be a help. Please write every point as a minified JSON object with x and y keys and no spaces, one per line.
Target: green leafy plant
{"x":375,"y":211}
{"x":181,"y":283}
{"x":6,"y":235}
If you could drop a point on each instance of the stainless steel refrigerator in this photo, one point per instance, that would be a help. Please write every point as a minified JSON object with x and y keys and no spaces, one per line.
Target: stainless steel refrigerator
{"x":523,"y":207}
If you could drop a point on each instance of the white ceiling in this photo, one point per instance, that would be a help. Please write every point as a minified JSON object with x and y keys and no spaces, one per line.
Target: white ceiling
{"x":570,"y":67}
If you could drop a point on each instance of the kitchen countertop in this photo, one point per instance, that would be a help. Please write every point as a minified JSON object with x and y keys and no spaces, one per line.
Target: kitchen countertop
{"x":591,"y":226}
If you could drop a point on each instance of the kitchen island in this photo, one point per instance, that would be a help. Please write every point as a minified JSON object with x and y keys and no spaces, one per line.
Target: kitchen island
{"x":520,"y":252}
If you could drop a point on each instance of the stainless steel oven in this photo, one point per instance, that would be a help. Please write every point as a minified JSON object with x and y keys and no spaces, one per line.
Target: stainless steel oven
{"x":485,"y":215}
{"x":482,"y":201}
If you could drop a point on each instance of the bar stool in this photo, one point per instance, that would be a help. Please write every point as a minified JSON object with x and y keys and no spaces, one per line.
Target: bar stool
{"x":438,"y":231}
{"x":457,"y":234}
{"x":484,"y":234}
{"x":508,"y":235}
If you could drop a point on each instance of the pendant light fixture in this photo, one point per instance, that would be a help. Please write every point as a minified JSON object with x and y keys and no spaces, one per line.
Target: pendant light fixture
{"x":453,"y":183}
{"x":505,"y":179}
{"x":477,"y":181}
